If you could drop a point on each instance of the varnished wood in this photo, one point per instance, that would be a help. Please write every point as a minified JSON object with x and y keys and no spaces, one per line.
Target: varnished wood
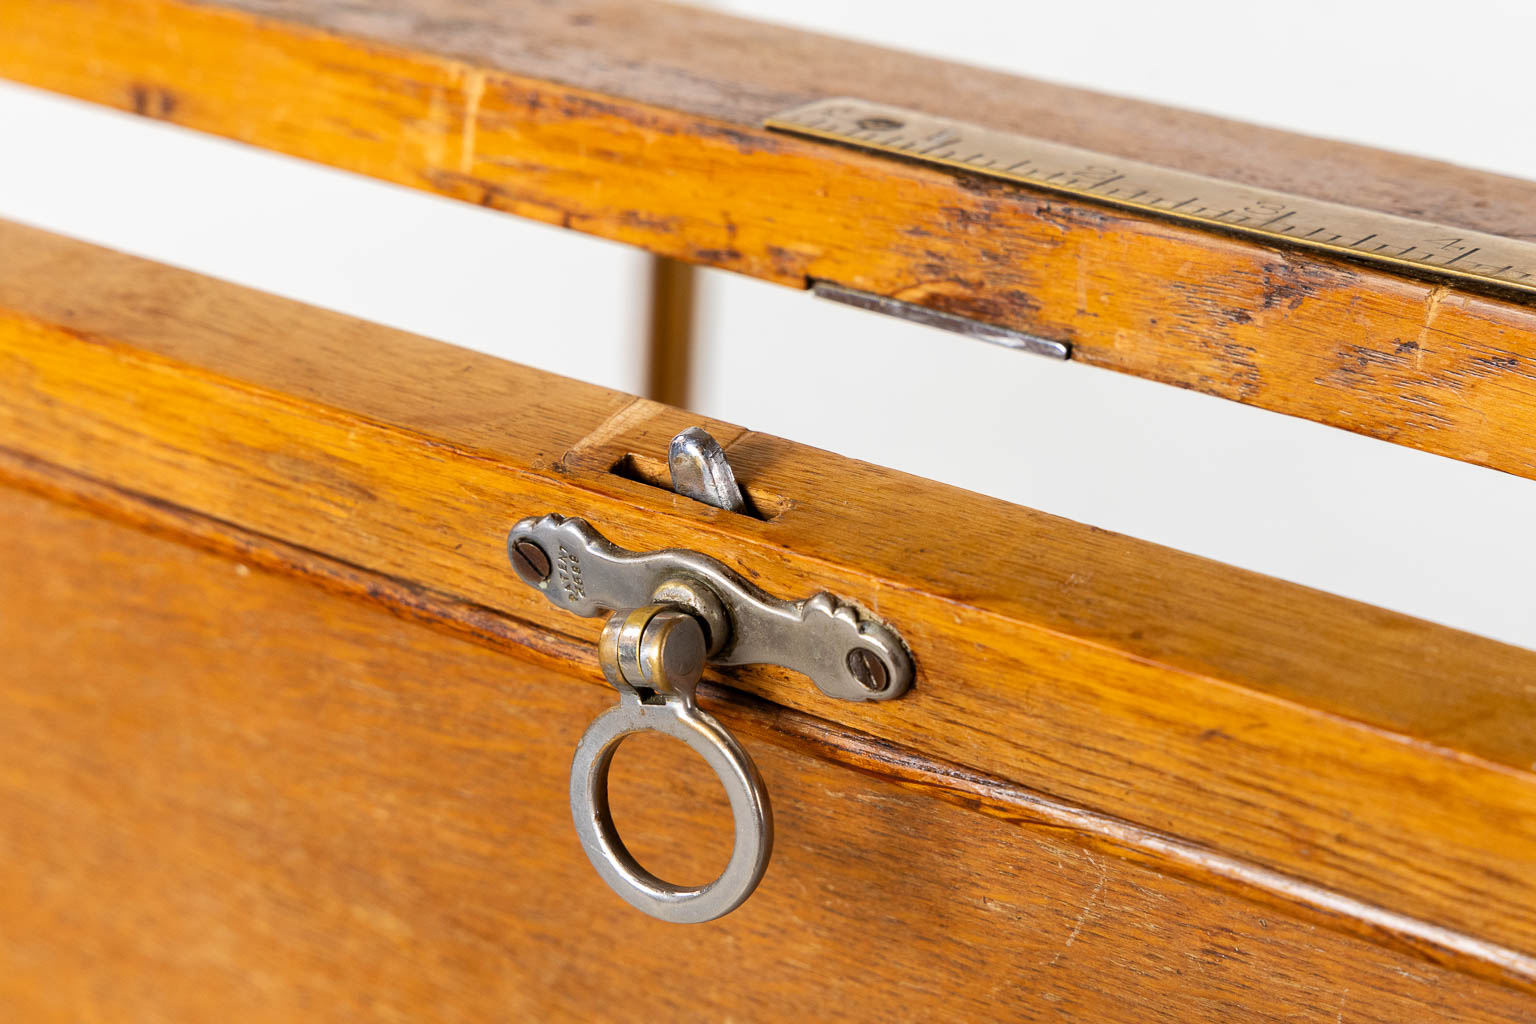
{"x":588,"y":114}
{"x":934,"y":779}
{"x":316,"y":811}
{"x":1343,"y":746}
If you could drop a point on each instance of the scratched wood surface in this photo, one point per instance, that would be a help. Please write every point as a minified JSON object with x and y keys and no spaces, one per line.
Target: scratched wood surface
{"x":231,"y":795}
{"x":1347,"y":747}
{"x":639,"y":121}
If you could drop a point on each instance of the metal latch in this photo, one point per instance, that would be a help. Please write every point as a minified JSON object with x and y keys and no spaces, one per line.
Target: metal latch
{"x":672,"y":612}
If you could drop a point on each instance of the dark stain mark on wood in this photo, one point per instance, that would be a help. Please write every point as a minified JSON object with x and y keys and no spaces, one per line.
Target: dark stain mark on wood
{"x":1496,"y":362}
{"x":639,"y":219}
{"x":787,"y":263}
{"x":1070,"y":217}
{"x":151,"y":101}
{"x":477,"y":190}
{"x":996,"y":192}
{"x":1020,"y":301}
{"x":1241,"y":368}
{"x":971,"y":299}
{"x":745,"y":141}
{"x":1287,"y":285}
{"x":1206,"y":305}
{"x":969,"y":218}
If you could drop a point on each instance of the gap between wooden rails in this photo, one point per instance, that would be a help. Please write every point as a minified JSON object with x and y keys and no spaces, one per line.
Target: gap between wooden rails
{"x":641,"y":122}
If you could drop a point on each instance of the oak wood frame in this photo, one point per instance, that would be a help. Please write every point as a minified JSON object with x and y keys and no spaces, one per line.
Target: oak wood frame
{"x":1298,"y":749}
{"x":1273,"y":727}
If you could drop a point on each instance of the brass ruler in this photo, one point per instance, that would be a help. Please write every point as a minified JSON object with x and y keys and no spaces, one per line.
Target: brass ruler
{"x":1380,"y":238}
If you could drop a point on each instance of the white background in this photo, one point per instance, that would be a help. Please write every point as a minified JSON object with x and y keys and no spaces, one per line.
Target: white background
{"x":1358,"y":517}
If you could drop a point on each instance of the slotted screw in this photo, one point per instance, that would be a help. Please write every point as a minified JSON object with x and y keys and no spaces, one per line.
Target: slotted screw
{"x":530,"y":562}
{"x":866,"y":666}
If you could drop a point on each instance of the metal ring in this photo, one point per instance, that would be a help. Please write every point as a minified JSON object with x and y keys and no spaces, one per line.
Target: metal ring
{"x":606,"y":851}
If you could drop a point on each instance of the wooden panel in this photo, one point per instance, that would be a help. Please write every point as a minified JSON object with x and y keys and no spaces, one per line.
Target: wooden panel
{"x":228,"y":795}
{"x":1344,"y":746}
{"x":639,"y":121}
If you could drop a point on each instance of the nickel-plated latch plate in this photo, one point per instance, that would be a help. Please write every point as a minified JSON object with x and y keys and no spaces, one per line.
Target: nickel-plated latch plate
{"x":846,"y":653}
{"x":670,"y":612}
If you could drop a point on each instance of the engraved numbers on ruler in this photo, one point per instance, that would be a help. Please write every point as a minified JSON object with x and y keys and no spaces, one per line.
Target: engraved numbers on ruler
{"x":1399,"y":242}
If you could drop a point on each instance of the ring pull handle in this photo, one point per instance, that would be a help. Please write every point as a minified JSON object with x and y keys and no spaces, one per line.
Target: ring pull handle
{"x":670,"y":612}
{"x":654,"y":657}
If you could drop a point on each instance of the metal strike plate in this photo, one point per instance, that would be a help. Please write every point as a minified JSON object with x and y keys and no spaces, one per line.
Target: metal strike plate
{"x":847,"y":654}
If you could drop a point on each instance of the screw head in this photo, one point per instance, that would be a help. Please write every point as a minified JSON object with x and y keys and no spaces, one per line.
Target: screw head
{"x":530,"y":562}
{"x":879,"y":124}
{"x":866,"y":667}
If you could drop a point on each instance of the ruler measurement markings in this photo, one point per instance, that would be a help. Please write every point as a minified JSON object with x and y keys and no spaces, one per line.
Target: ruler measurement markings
{"x":1290,"y":221}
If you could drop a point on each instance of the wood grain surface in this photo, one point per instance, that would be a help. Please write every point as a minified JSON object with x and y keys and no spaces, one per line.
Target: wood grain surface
{"x":231,"y":795}
{"x":1342,"y":746}
{"x":639,"y":121}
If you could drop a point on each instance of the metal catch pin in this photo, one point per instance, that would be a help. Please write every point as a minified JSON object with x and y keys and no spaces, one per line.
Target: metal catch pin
{"x":673,"y":611}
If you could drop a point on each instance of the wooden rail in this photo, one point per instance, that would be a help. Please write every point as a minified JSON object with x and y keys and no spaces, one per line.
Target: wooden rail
{"x":1314,"y":742}
{"x":640,"y":122}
